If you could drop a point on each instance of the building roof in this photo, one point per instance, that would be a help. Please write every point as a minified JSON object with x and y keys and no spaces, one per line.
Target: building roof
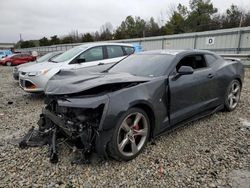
{"x":6,"y":45}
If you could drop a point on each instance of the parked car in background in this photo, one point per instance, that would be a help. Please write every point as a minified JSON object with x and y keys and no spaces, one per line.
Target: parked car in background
{"x":45,"y":58}
{"x":138,"y":47}
{"x":17,"y":59}
{"x":5,"y":53}
{"x":94,"y":56}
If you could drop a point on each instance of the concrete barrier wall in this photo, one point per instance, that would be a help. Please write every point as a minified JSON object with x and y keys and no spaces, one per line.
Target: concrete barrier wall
{"x":225,"y":41}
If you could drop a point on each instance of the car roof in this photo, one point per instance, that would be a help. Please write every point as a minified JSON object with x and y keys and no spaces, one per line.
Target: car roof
{"x":175,"y":52}
{"x":56,"y":52}
{"x":19,"y":54}
{"x":89,"y":45}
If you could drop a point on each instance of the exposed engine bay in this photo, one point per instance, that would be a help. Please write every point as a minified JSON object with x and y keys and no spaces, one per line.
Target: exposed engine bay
{"x":76,"y":126}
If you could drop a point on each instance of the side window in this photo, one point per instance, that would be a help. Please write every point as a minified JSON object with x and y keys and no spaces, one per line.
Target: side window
{"x":114,"y":51}
{"x":16,"y":56}
{"x":93,"y":54}
{"x":194,"y":61}
{"x":129,"y":50}
{"x":210,"y":59}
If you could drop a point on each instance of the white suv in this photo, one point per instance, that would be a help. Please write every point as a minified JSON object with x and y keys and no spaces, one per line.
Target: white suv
{"x":93,"y":56}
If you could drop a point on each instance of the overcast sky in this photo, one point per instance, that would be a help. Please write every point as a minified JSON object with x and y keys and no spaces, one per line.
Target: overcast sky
{"x":35,"y":19}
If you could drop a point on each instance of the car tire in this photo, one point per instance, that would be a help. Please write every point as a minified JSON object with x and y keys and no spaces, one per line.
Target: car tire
{"x":130,"y":135}
{"x":8,"y":63}
{"x":232,"y":95}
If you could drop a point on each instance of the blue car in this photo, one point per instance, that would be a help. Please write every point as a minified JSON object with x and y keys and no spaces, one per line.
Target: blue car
{"x":138,"y":47}
{"x":5,"y":53}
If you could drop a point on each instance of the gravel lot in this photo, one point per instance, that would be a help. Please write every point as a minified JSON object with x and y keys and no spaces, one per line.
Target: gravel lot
{"x":211,"y":152}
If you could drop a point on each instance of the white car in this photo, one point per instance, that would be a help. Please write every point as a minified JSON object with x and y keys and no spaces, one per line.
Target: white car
{"x":94,"y":56}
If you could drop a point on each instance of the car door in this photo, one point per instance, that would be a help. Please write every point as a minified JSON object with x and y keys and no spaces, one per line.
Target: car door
{"x":24,"y":58}
{"x":16,"y":59}
{"x":28,"y":58}
{"x":92,"y":57}
{"x":193,"y":93}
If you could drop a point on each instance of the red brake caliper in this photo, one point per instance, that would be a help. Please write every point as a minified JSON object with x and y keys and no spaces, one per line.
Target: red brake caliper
{"x":135,"y":129}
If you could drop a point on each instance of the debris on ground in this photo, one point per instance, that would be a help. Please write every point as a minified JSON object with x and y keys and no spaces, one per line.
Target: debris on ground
{"x":211,"y":152}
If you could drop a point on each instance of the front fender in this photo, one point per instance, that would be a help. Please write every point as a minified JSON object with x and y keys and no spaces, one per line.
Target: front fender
{"x":151,"y":94}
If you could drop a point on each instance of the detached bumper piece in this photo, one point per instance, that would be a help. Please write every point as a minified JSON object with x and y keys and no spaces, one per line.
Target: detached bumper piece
{"x":53,"y":125}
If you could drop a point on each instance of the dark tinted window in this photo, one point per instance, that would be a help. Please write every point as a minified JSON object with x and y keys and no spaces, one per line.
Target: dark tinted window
{"x":24,"y":54}
{"x":93,"y":54}
{"x":114,"y":51}
{"x":129,"y":50}
{"x":210,"y":59}
{"x":152,"y":65}
{"x":194,"y":61}
{"x":16,"y":56}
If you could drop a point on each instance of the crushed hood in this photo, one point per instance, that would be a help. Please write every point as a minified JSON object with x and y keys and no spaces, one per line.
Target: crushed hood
{"x":75,"y":81}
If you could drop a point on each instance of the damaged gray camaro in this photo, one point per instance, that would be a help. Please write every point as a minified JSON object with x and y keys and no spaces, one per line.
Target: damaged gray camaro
{"x":114,"y":113}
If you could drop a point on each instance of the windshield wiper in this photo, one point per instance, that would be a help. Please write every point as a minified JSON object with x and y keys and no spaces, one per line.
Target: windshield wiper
{"x":105,"y":71}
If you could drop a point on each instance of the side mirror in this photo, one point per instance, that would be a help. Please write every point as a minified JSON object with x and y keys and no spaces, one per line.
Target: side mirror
{"x":184,"y":70}
{"x":80,"y":60}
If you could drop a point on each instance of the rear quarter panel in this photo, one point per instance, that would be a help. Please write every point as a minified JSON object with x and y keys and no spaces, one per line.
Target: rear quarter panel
{"x":226,"y":71}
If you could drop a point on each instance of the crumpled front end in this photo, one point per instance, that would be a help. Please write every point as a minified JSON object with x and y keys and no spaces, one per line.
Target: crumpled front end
{"x":72,"y":120}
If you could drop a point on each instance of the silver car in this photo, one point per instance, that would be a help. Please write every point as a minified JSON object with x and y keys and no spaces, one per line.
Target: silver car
{"x":45,"y":58}
{"x":93,"y":56}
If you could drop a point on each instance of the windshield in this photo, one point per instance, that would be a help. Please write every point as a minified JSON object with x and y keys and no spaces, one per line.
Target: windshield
{"x":1,"y":53}
{"x":67,"y":55}
{"x":150,"y":65}
{"x":45,"y":57}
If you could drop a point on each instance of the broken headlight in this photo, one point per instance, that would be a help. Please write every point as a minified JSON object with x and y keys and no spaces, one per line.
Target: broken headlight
{"x":90,"y":116}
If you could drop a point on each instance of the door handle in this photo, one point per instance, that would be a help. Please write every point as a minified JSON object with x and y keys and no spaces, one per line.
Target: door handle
{"x":210,"y":75}
{"x":100,"y":63}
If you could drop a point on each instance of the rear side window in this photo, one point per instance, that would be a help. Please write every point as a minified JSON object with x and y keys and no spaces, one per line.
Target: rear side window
{"x":114,"y":51}
{"x":210,"y":59}
{"x":16,"y":56}
{"x":194,"y":61}
{"x":129,"y":50}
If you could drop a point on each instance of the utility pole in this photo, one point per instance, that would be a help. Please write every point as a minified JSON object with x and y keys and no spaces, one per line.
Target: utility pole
{"x":20,"y":39}
{"x":241,"y":19}
{"x":239,"y":35}
{"x":77,"y":39}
